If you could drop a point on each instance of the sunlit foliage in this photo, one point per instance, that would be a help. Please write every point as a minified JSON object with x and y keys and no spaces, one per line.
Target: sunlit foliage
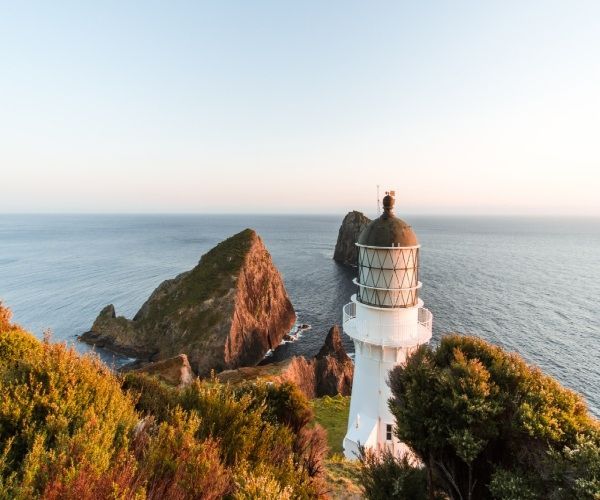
{"x":485,"y":423}
{"x":71,"y":429}
{"x":59,"y":414}
{"x":259,"y":426}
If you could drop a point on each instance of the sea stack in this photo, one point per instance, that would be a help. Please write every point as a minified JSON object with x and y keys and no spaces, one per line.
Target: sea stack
{"x":226,"y":312}
{"x":346,"y":251}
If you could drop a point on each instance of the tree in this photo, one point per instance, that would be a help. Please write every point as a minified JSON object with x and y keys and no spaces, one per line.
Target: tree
{"x":485,"y":423}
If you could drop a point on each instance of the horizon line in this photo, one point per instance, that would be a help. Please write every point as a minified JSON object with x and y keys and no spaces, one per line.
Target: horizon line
{"x":304,"y":214}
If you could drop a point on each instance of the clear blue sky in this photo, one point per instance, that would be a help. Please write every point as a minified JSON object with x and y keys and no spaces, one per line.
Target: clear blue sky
{"x":280,"y":106}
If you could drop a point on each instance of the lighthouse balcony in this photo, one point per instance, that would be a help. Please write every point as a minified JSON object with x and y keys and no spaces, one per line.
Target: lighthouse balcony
{"x":388,"y":332}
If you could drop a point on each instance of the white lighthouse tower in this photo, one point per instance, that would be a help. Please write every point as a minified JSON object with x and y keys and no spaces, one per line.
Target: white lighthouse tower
{"x":387,"y":320}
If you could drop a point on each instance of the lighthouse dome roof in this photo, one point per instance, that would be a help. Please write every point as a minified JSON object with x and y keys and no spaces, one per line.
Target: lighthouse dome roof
{"x":388,"y":230}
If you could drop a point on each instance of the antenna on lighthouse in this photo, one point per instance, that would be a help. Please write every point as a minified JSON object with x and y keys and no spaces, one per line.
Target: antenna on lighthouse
{"x":378,"y":204}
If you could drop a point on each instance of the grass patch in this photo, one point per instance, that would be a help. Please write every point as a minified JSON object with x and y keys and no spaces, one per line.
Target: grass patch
{"x":342,"y":477}
{"x":332,"y":414}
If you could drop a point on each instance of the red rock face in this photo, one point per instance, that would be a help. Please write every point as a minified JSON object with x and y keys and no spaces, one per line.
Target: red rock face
{"x":262,"y":313}
{"x":333,"y":367}
{"x":328,"y":374}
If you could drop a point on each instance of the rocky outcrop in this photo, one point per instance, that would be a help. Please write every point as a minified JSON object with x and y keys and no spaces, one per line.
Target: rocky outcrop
{"x":333,"y":367}
{"x":173,"y":371}
{"x":328,"y":374}
{"x":226,"y":312}
{"x":346,"y":251}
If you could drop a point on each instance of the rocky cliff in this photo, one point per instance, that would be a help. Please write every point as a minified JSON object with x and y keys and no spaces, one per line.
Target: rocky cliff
{"x":225,"y":313}
{"x":346,"y":251}
{"x":328,"y":374}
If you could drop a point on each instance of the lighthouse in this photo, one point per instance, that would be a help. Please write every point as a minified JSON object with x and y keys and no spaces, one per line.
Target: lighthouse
{"x":387,"y":321}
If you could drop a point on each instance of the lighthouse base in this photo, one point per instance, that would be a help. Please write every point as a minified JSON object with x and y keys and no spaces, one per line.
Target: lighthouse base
{"x":383,"y":339}
{"x":370,"y":423}
{"x":363,"y":432}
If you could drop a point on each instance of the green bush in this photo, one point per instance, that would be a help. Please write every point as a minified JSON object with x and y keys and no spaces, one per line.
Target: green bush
{"x":253,"y":484}
{"x":152,"y":396}
{"x":484,"y":422}
{"x":383,"y":477}
{"x":59,"y":413}
{"x":285,"y":403}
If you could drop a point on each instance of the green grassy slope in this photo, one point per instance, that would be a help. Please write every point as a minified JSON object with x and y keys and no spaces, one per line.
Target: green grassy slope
{"x":332,"y":413}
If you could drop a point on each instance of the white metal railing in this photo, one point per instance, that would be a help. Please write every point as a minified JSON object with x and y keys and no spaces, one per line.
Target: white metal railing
{"x":388,"y":333}
{"x":349,"y":312}
{"x":425,"y":318}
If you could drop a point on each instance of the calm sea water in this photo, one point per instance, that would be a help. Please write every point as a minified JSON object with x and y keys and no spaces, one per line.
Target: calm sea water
{"x":531,"y":285}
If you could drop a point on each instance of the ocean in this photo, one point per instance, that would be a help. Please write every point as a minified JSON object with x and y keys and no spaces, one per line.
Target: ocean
{"x":530,"y":285}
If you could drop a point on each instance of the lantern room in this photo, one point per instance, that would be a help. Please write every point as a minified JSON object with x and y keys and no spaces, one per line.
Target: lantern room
{"x":388,"y":262}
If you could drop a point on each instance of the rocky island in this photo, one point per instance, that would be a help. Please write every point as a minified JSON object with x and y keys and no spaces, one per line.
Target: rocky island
{"x":345,"y":249}
{"x":226,"y":312}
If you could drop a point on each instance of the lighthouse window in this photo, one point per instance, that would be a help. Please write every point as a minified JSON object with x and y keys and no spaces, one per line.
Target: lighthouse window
{"x":388,"y":432}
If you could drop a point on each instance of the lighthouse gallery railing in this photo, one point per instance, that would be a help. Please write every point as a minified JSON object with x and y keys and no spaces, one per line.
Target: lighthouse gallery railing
{"x":402,"y":333}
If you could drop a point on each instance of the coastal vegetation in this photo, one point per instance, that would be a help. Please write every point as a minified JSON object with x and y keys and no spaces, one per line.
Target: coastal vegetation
{"x":480,"y":422}
{"x":484,"y":424}
{"x":70,"y":428}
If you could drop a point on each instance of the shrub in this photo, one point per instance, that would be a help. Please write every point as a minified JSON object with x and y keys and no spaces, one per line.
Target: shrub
{"x":284,"y":403}
{"x":59,"y":413}
{"x":5,"y":316}
{"x":480,"y":418}
{"x":383,"y":477}
{"x":175,"y":464}
{"x":152,"y":397}
{"x":257,"y":483}
{"x":257,"y":425}
{"x":253,"y":432}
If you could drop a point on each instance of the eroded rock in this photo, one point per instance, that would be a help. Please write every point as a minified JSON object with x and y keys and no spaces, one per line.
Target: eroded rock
{"x":328,"y":374}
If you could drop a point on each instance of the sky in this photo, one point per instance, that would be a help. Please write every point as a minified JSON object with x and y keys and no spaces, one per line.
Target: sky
{"x":300,"y":107}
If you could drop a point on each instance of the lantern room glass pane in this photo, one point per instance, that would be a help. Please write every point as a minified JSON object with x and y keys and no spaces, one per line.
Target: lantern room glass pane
{"x":389,"y":276}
